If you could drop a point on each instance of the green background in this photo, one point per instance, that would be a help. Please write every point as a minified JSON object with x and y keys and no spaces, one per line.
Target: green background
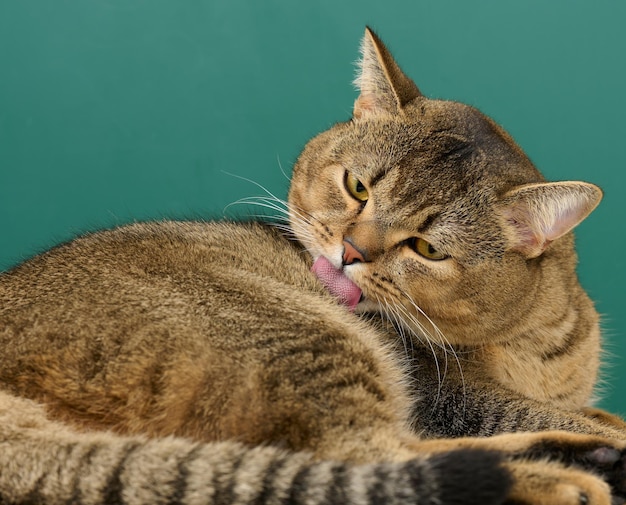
{"x":121,"y":110}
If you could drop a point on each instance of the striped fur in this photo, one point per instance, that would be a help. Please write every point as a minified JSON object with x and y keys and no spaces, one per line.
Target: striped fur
{"x":42,"y":462}
{"x":195,"y":362}
{"x":506,"y":297}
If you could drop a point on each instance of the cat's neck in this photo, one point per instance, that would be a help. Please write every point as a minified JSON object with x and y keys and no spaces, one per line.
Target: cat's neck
{"x":551,"y":354}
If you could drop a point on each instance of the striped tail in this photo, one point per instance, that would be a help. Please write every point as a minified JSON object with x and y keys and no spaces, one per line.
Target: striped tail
{"x":99,"y":469}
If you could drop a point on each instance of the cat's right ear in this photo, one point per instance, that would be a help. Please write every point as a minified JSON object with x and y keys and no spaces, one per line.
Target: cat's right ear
{"x":537,"y":214}
{"x":383,"y":87}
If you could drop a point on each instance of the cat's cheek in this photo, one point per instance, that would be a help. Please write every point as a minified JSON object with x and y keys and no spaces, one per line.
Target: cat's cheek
{"x":431,"y":285}
{"x":443,"y":274}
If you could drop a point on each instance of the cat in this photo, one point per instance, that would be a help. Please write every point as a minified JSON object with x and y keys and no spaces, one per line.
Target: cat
{"x":454,"y":232}
{"x":438,"y":219}
{"x":181,"y":362}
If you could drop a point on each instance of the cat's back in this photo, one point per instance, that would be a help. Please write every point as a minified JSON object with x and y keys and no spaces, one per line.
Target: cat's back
{"x":150,"y":250}
{"x":160,"y":275}
{"x":172,"y":328}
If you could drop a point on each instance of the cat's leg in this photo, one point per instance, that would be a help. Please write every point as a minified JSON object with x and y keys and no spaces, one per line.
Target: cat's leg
{"x":468,"y":404}
{"x":548,"y":483}
{"x":479,"y":409}
{"x":605,"y":417}
{"x":538,"y":479}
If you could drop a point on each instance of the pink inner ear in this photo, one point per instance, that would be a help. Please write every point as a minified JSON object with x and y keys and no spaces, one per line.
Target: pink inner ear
{"x":366,"y":104}
{"x":540,"y":213}
{"x":526,"y":239}
{"x":528,"y":228}
{"x":535,"y":229}
{"x":564,"y":221}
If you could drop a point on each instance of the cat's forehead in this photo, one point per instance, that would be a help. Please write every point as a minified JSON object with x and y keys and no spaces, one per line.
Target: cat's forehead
{"x":410,"y":159}
{"x":433,"y":145}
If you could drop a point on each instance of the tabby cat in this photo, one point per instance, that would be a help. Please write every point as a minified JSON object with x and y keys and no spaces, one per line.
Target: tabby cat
{"x":195,"y":362}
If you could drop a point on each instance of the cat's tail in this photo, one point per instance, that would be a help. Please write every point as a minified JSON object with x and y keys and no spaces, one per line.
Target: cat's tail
{"x":176,"y":472}
{"x":44,"y":462}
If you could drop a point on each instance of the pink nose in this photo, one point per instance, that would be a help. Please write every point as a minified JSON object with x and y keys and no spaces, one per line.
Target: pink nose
{"x":351,"y":254}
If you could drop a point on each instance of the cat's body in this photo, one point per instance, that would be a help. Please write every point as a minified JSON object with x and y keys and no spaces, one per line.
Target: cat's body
{"x":220,"y":332}
{"x":208,"y":362}
{"x":299,"y":371}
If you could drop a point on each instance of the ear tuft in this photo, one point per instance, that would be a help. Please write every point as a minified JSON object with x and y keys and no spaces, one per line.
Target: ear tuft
{"x":537,"y":214}
{"x":383,"y":86}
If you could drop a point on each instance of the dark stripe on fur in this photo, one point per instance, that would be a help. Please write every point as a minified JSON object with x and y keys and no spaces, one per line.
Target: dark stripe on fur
{"x":365,"y":381}
{"x":268,"y":480}
{"x":378,"y":177}
{"x":299,"y":487}
{"x":85,"y":462}
{"x":225,"y":494}
{"x":33,"y":497}
{"x":425,"y":480}
{"x":426,"y":223}
{"x":113,"y":492}
{"x":287,"y":353}
{"x":179,"y":485}
{"x":336,"y":493}
{"x":470,"y":477}
{"x":377,"y":492}
{"x":572,"y":340}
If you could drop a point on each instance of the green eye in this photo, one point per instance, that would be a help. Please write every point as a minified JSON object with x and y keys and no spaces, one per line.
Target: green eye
{"x":356,"y":188}
{"x":425,"y":249}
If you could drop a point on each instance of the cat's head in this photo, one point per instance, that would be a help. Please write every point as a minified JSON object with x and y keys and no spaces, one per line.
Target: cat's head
{"x":428,"y":205}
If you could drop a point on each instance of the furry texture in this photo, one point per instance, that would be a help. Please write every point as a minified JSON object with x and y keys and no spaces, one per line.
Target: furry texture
{"x":101,"y":468}
{"x":505,"y":296}
{"x":170,"y":361}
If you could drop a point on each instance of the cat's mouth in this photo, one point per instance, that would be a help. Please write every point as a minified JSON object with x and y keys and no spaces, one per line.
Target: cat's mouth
{"x":336,"y":282}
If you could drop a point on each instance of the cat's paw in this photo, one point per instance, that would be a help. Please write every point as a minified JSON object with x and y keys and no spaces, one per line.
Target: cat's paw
{"x":555,"y":467}
{"x":610,"y":463}
{"x":551,"y":483}
{"x":602,"y":457}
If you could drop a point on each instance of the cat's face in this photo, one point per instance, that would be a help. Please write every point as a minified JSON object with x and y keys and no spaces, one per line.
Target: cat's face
{"x":430,"y":208}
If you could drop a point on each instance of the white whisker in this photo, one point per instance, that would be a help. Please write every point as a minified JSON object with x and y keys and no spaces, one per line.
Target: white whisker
{"x":390,"y":315}
{"x":401,"y":315}
{"x":258,"y":185}
{"x":282,"y":170}
{"x":293,"y":222}
{"x":435,"y":337}
{"x":260,"y":202}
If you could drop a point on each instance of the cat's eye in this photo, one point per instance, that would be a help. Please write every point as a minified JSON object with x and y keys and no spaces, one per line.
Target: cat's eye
{"x":425,"y":249}
{"x":356,"y":188}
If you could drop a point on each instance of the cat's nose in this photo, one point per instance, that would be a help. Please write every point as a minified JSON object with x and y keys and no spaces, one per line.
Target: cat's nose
{"x":351,"y":254}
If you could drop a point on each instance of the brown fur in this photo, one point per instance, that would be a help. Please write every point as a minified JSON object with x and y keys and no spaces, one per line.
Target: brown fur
{"x":509,"y":292}
{"x":219,"y":332}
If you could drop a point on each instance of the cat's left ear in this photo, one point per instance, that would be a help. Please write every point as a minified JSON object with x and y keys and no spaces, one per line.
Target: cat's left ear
{"x":384,"y":87}
{"x":537,"y":214}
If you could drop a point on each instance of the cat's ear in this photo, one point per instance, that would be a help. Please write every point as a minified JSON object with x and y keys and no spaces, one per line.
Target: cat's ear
{"x":537,"y":214}
{"x":383,"y":86}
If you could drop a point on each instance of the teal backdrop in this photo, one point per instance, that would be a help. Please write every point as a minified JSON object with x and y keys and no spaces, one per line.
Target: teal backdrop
{"x":120,"y":110}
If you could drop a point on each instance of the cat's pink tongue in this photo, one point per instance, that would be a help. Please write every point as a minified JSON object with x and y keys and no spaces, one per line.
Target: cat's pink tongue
{"x":337,"y":283}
